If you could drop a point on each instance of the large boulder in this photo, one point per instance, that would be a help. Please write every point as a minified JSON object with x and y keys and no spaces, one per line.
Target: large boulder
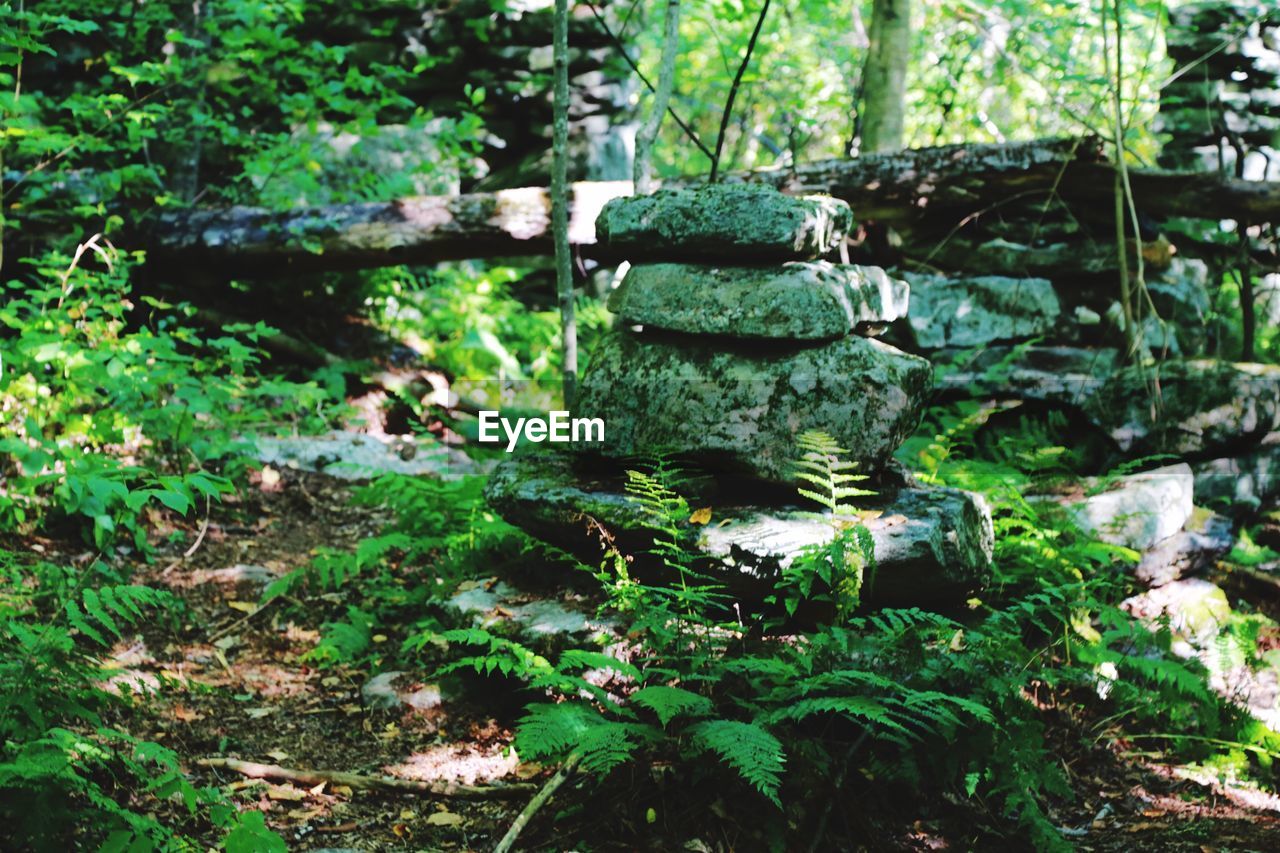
{"x":739,"y":407}
{"x":737,"y":223}
{"x":975,"y":310}
{"x":932,"y":546}
{"x":802,"y":300}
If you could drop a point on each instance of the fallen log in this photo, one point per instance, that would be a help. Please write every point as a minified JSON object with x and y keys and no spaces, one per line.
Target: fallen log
{"x":931,"y":187}
{"x":426,"y":229}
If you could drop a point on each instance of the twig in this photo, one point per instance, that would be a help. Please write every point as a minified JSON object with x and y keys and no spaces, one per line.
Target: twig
{"x":227,"y":629}
{"x":539,"y":800}
{"x":204,"y":528}
{"x":90,"y":244}
{"x":255,"y":770}
{"x":733,"y":91}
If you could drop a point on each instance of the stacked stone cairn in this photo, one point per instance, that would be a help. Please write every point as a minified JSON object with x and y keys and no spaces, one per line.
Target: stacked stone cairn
{"x":732,"y":338}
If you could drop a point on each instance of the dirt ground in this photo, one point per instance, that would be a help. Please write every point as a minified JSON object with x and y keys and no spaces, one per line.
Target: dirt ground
{"x":225,"y":679}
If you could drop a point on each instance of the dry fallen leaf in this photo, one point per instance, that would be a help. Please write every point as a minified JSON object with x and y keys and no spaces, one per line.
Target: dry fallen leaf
{"x":243,"y":606}
{"x":528,"y":769}
{"x":701,"y":516}
{"x":445,"y":819}
{"x":185,"y":714}
{"x":278,"y":754}
{"x":285,"y":792}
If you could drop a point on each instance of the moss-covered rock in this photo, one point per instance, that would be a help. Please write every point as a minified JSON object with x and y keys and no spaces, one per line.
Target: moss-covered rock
{"x":932,"y":546}
{"x":802,"y":300}
{"x":974,"y":310}
{"x":1191,"y":407}
{"x":738,"y":407}
{"x":738,"y":223}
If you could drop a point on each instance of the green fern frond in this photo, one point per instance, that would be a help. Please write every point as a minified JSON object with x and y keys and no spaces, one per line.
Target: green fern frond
{"x":671,"y":702}
{"x":747,"y":748}
{"x":108,"y":608}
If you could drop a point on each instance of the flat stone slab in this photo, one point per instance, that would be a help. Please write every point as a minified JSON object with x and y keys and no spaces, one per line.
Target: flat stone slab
{"x":737,"y":223}
{"x":739,"y":409}
{"x":801,"y":300}
{"x":932,"y":546}
{"x":350,"y":455}
{"x":1178,"y":406}
{"x":974,"y":310}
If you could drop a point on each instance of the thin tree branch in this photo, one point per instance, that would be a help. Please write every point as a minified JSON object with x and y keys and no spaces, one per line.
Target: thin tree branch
{"x":642,"y":172}
{"x":671,"y":111}
{"x":539,"y":800}
{"x":733,"y":91}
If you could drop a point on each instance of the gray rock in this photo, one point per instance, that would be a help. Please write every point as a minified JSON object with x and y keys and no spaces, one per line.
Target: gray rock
{"x":1196,"y":608}
{"x":976,"y":310}
{"x":1050,"y":374}
{"x":1206,"y":537}
{"x":1202,"y":406}
{"x":811,"y":300}
{"x":1138,"y":510}
{"x":537,"y":619}
{"x":1181,"y":296}
{"x":381,"y":693}
{"x":1243,"y":483}
{"x":738,"y":223}
{"x":739,"y":409}
{"x":931,"y":545}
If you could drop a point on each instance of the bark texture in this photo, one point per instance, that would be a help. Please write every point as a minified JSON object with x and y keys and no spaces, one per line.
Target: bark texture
{"x":885,"y":75}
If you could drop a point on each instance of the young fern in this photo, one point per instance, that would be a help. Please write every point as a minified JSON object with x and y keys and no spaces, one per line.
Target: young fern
{"x":843,"y":563}
{"x":822,"y":465}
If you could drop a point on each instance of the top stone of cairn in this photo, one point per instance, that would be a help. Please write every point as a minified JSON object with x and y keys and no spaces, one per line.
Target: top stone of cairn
{"x":735,"y":223}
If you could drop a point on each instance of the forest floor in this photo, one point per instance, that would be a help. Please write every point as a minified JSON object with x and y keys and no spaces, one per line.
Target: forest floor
{"x":235,"y":683}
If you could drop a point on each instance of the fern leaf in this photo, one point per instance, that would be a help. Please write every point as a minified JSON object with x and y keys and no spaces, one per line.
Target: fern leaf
{"x":747,"y":748}
{"x":671,"y":702}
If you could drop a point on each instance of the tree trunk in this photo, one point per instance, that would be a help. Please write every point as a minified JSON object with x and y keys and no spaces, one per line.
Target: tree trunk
{"x":643,"y":166}
{"x":884,"y":78}
{"x":560,"y":203}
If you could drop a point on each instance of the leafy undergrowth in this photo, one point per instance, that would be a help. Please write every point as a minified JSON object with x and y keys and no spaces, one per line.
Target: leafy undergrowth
{"x":233,"y":680}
